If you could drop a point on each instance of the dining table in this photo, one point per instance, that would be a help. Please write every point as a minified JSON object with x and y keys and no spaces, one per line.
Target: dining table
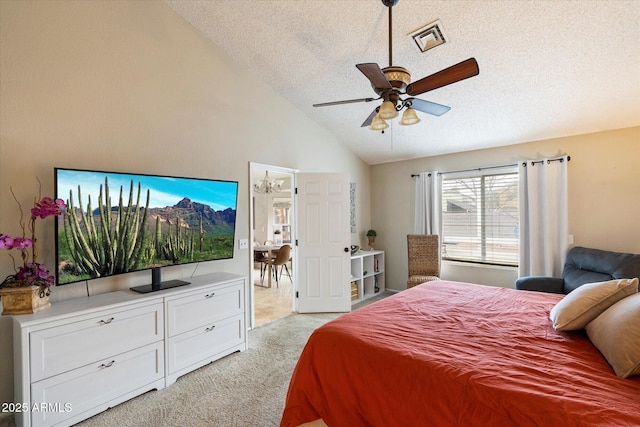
{"x":271,"y":250}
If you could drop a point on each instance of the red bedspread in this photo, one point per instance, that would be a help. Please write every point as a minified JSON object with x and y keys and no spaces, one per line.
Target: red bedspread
{"x":456,"y":354}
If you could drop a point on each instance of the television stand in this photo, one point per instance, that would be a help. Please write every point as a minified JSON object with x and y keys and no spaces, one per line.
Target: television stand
{"x":145,"y":289}
{"x":81,"y":356}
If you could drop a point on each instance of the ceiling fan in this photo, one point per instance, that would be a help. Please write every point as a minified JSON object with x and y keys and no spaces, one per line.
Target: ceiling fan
{"x":393,"y":85}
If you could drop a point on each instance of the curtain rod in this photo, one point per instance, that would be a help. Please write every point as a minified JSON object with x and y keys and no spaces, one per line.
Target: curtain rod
{"x":559,"y":159}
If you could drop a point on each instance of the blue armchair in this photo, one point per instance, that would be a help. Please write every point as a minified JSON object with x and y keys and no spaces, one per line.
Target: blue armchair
{"x":585,"y":265}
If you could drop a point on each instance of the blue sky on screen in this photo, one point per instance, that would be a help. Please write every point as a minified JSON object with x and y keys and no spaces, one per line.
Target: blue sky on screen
{"x":164,"y":191}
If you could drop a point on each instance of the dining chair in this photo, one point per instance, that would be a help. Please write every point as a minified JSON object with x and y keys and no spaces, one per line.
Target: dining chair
{"x":281,"y":259}
{"x":261,"y":257}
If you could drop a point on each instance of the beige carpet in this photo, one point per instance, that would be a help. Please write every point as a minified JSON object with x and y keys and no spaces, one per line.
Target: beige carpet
{"x":242,"y":389}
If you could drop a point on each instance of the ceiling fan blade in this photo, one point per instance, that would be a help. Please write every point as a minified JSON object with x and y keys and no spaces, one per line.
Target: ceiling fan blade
{"x":369,"y":119}
{"x":375,"y":75}
{"x":455,"y":73}
{"x":348,"y":101}
{"x":428,"y":106}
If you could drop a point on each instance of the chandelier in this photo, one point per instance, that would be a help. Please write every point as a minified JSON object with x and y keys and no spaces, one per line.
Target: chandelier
{"x":267,"y":185}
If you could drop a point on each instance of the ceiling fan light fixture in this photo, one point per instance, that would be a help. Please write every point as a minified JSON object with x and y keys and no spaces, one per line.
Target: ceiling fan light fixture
{"x":387,"y":111}
{"x":409,"y":117}
{"x":378,"y":123}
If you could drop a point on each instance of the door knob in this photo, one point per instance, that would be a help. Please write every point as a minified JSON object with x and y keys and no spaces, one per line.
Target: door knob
{"x":346,"y":249}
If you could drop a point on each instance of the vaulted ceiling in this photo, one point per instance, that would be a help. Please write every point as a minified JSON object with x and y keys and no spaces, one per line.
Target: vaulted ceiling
{"x":548,"y":68}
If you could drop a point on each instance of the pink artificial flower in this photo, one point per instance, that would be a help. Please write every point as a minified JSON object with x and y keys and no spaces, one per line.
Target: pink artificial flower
{"x":6,"y":242}
{"x":21,"y":243}
{"x":42,"y":271}
{"x":25,"y":272}
{"x":47,"y":207}
{"x":31,"y":274}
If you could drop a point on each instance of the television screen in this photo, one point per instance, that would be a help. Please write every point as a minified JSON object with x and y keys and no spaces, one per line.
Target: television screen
{"x":119,"y":222}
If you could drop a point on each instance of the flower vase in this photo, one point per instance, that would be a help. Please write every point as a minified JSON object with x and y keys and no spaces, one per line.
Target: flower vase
{"x":24,"y":300}
{"x":372,"y":241}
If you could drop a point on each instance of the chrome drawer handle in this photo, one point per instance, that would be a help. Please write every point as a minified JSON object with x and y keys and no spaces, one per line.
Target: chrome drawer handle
{"x":210,"y":328}
{"x":106,"y":322}
{"x":210,"y":295}
{"x":108,"y":365}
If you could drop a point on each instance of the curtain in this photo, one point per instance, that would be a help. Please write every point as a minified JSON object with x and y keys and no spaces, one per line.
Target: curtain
{"x":427,"y":203}
{"x":544,"y":223}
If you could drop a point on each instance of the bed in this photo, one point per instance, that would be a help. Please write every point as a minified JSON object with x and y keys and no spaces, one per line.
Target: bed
{"x":456,"y":354}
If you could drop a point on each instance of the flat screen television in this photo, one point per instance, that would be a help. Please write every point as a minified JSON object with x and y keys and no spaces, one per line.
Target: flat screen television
{"x":119,"y":223}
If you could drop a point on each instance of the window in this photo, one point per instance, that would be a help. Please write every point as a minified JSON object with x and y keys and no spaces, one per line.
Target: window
{"x":480,"y":217}
{"x":281,"y":220}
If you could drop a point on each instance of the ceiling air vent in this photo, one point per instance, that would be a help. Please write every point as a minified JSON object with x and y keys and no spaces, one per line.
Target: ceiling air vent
{"x":429,"y":36}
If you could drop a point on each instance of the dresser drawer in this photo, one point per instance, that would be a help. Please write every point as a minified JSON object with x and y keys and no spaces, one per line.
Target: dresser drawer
{"x":203,"y":308}
{"x":68,"y":346}
{"x":204,"y":343}
{"x":79,"y":391}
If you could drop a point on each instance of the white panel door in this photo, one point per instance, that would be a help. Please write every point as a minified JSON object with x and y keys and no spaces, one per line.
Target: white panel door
{"x":323,"y":243}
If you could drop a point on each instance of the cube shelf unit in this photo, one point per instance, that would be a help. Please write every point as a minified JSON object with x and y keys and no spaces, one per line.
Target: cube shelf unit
{"x":367,"y":274}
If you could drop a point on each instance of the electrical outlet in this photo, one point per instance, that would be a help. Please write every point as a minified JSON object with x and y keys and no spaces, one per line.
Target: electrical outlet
{"x":571,"y":239}
{"x":243,"y":243}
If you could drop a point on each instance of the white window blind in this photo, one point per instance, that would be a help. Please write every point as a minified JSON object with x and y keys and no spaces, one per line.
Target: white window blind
{"x":480,"y":221}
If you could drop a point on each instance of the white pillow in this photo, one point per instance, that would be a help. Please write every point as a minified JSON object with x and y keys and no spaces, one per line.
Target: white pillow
{"x":616,"y":333}
{"x":586,"y":302}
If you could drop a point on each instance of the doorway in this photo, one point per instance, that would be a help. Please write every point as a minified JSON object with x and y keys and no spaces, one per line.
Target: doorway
{"x":272,"y":220}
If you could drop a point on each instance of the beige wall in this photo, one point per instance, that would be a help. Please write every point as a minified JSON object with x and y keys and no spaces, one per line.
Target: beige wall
{"x":131,"y":87}
{"x":604,"y":198}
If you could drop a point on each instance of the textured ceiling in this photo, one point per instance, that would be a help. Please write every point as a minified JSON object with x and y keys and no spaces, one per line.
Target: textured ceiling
{"x":547,"y":68}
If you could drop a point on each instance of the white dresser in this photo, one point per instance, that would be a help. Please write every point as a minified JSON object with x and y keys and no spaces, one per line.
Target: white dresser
{"x":203,"y":325}
{"x":82,"y":356}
